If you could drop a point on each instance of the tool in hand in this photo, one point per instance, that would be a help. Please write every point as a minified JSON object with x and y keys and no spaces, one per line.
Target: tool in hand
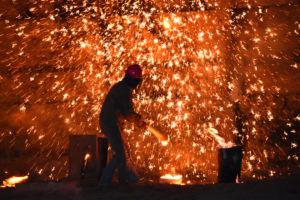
{"x":163,"y":139}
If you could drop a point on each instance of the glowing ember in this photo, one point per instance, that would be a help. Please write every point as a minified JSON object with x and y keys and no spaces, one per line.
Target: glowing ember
{"x":237,"y":179}
{"x":171,"y":179}
{"x":164,"y":142}
{"x":166,"y":23}
{"x":220,"y":140}
{"x":12,"y":181}
{"x":87,"y":156}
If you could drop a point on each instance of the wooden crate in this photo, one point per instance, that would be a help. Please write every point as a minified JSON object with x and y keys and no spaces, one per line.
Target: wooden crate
{"x":86,"y":171}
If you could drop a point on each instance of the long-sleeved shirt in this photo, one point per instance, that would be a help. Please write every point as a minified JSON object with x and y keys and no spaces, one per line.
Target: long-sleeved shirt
{"x":117,"y":105}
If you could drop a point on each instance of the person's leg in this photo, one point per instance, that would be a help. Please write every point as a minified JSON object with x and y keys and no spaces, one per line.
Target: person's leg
{"x":108,"y":172}
{"x":131,"y":174}
{"x":119,"y":160}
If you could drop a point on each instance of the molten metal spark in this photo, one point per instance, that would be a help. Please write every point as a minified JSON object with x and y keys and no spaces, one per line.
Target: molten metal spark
{"x":164,"y":142}
{"x":12,"y":181}
{"x":167,"y":24}
{"x":220,"y":140}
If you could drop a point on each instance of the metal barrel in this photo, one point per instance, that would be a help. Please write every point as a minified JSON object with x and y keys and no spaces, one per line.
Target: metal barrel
{"x":230,"y":161}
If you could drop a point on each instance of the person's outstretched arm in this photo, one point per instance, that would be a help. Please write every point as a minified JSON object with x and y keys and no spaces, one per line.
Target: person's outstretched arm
{"x":127,"y":109}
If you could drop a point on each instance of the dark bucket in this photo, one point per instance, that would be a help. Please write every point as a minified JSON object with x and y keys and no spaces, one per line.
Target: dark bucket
{"x":230,"y":161}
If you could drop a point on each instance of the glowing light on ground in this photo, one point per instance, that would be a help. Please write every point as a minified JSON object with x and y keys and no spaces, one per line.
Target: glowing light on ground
{"x":12,"y":181}
{"x":171,"y":179}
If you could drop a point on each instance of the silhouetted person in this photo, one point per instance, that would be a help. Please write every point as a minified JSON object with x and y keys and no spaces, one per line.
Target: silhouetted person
{"x":116,"y":107}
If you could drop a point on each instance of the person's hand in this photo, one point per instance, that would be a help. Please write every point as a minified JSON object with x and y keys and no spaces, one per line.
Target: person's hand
{"x":141,"y":123}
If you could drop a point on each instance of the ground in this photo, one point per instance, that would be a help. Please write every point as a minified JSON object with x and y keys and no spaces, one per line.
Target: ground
{"x":280,"y":188}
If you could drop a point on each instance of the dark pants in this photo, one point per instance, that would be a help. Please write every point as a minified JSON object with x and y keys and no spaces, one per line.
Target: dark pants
{"x":119,"y":160}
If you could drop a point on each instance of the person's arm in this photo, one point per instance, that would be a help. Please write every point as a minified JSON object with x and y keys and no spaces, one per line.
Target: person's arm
{"x":127,"y":108}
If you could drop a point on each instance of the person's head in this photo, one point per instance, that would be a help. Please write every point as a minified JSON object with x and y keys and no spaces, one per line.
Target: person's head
{"x":133,"y":75}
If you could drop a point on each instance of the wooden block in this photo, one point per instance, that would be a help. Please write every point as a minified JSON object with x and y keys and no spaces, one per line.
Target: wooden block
{"x":82,"y":168}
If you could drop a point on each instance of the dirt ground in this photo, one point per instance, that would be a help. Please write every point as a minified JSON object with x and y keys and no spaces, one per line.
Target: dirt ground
{"x":280,"y":188}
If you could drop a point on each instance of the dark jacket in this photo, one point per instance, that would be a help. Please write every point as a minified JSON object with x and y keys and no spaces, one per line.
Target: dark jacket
{"x":117,"y":106}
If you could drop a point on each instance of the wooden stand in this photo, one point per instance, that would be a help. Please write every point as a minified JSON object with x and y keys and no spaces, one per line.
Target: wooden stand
{"x":84,"y":169}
